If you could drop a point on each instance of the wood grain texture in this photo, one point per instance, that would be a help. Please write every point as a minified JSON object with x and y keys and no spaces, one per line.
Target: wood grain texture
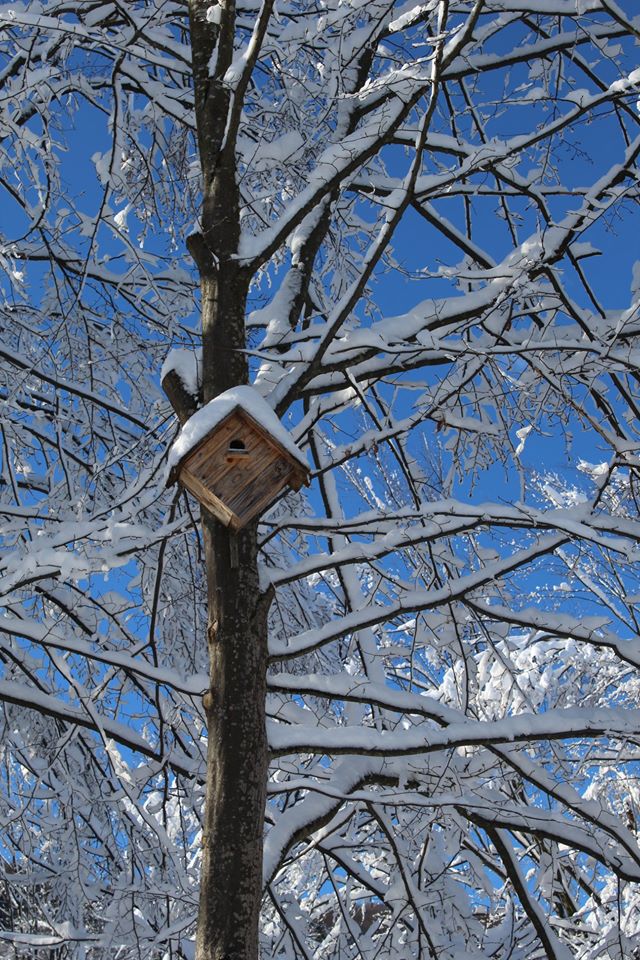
{"x":237,"y":489}
{"x":207,"y":498}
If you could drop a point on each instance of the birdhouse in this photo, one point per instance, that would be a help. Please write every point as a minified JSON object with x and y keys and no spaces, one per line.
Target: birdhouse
{"x":236,"y":457}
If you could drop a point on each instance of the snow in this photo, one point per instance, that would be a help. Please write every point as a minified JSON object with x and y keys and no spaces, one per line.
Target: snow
{"x":595,"y":470}
{"x":282,"y":148}
{"x":580,"y":97}
{"x":406,"y":17}
{"x":120,"y":218}
{"x":555,"y":723}
{"x":214,"y":13}
{"x":102,"y":162}
{"x":188,"y":365}
{"x":208,"y":417}
{"x":584,"y":249}
{"x":522,"y":435}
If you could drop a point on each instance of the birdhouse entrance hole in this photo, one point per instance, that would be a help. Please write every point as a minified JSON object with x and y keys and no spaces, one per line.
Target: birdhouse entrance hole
{"x":236,"y":450}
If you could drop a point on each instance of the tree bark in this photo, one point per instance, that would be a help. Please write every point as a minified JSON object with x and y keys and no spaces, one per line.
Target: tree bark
{"x":231,"y":878}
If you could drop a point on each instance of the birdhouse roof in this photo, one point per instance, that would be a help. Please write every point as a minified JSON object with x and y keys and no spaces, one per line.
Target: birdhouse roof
{"x":207,"y":418}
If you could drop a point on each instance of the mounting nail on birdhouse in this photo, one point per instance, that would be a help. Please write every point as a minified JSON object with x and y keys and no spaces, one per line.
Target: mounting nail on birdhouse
{"x":236,"y":457}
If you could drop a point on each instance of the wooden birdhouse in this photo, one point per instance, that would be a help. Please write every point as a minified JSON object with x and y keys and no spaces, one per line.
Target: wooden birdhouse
{"x":236,"y":457}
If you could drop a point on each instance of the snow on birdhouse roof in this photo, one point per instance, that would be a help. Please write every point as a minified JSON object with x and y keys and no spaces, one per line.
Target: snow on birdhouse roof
{"x":207,"y":418}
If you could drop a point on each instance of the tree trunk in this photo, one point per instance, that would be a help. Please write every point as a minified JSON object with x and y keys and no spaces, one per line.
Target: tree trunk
{"x":231,"y":880}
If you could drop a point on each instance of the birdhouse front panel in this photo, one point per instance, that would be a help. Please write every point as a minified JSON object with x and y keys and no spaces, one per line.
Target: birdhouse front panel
{"x":237,"y":470}
{"x":255,"y":497}
{"x":233,"y":454}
